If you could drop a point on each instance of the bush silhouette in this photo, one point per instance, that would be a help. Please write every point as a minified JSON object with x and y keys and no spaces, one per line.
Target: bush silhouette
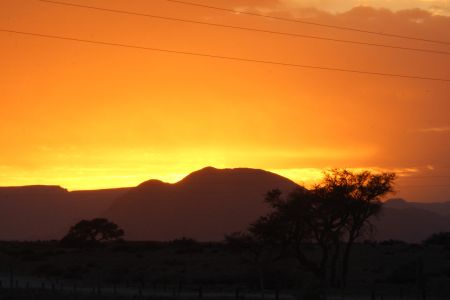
{"x":439,"y":238}
{"x":88,"y":233}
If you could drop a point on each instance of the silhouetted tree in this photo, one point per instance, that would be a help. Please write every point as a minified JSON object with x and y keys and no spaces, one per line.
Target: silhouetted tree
{"x":332,"y":215}
{"x":305,"y":217}
{"x":92,"y":232}
{"x":255,"y":250}
{"x":361,"y":193}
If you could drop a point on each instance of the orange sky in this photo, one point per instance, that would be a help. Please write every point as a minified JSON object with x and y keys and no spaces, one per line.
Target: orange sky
{"x":91,"y":116}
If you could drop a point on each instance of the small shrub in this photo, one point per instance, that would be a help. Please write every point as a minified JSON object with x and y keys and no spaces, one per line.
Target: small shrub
{"x":438,"y":239}
{"x":392,"y":242}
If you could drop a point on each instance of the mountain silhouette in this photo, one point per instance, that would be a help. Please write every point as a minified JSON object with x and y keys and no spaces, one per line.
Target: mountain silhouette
{"x":409,"y":224}
{"x":440,"y":208}
{"x":47,"y":212}
{"x":204,"y":205}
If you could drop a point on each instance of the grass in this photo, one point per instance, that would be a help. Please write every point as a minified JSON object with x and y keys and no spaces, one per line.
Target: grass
{"x":168,"y":270}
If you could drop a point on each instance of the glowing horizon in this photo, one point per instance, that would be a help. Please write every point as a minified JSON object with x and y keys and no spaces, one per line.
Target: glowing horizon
{"x":303,"y":176}
{"x":90,"y":116}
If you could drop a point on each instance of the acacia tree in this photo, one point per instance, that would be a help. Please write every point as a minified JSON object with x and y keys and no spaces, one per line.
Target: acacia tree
{"x":253,"y":252}
{"x":258,"y":250}
{"x":361,"y":195}
{"x":305,"y":217}
{"x":332,"y":215}
{"x":92,"y":232}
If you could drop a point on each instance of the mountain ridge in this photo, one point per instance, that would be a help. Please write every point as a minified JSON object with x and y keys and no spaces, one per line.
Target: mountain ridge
{"x":204,"y":205}
{"x":230,"y":197}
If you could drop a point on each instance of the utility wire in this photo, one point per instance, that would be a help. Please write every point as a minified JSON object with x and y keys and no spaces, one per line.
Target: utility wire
{"x":117,"y":11}
{"x":426,"y":186}
{"x":422,"y":177}
{"x":230,"y":58}
{"x":310,"y":23}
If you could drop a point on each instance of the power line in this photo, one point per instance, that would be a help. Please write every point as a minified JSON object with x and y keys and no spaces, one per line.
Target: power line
{"x":311,"y":23}
{"x":426,"y":186}
{"x":423,"y":177}
{"x":117,"y":11}
{"x":231,"y":58}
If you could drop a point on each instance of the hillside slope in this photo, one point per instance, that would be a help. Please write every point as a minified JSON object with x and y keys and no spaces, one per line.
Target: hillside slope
{"x":205,"y":205}
{"x":47,"y":212}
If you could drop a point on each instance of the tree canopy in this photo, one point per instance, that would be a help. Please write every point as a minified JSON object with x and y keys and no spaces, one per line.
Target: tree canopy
{"x":332,"y":215}
{"x":92,"y":232}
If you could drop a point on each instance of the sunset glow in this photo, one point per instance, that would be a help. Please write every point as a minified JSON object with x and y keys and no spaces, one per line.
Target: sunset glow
{"x":88,"y":116}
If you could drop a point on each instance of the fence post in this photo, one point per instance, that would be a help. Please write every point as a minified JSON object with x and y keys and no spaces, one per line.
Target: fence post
{"x":424,"y":294}
{"x":238,"y":291}
{"x":277,"y":294}
{"x":11,"y":276}
{"x":180,"y":287}
{"x":200,"y":293}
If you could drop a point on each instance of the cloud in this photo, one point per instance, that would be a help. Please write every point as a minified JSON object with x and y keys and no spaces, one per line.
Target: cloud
{"x":311,"y":176}
{"x":435,"y":129}
{"x":437,"y":7}
{"x":388,"y":16}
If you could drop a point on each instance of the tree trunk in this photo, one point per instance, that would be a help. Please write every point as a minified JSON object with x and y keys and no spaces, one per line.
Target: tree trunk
{"x":323,"y":264}
{"x":334,"y":261}
{"x":261,"y":280}
{"x":346,"y":260}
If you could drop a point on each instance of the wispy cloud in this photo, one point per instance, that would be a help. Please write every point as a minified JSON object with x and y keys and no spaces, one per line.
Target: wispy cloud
{"x":435,"y":129}
{"x":438,"y":7}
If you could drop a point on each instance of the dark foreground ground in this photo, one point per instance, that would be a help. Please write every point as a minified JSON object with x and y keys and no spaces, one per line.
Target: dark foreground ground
{"x":188,"y":270}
